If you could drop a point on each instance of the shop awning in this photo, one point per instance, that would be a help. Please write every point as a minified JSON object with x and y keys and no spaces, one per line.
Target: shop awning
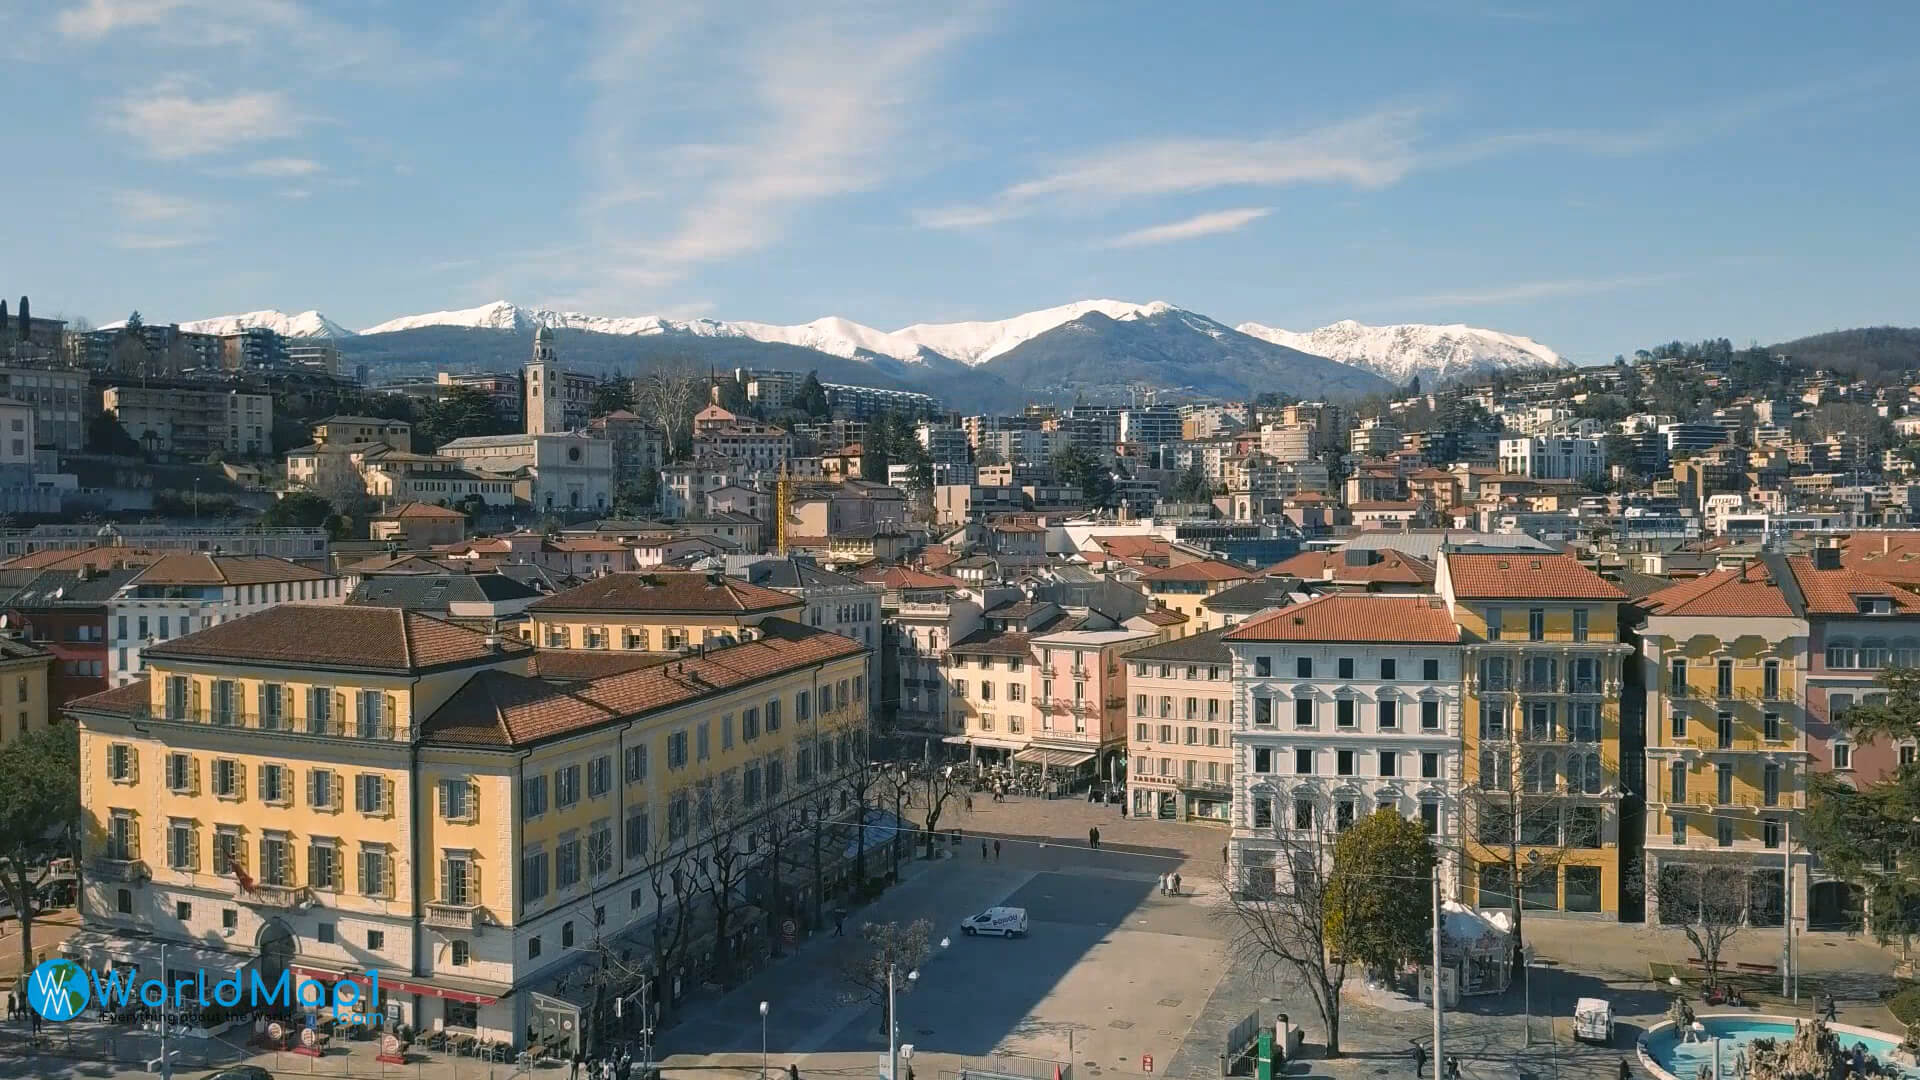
{"x":452,"y":990}
{"x":982,"y":740}
{"x":98,"y":948}
{"x":1053,"y":759}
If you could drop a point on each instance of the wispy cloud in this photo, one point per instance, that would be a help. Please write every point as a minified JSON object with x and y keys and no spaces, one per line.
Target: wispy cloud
{"x":304,"y":33}
{"x":134,"y":204}
{"x":1220,"y":221}
{"x":1516,"y":292}
{"x":1369,"y":151}
{"x":169,"y":123}
{"x":282,"y":167}
{"x":795,"y":107}
{"x":155,"y":220}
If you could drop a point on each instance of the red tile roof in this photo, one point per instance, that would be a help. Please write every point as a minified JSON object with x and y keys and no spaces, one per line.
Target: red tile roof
{"x":125,"y":699}
{"x":1356,"y":617}
{"x":358,"y":638}
{"x":906,"y":577}
{"x":203,"y":568}
{"x":675,"y":592}
{"x":1526,"y":576}
{"x":1890,"y":556}
{"x":1748,"y":591}
{"x":1392,"y":568}
{"x":97,"y":558}
{"x":1201,"y":570}
{"x":502,"y":710}
{"x":1836,"y":592}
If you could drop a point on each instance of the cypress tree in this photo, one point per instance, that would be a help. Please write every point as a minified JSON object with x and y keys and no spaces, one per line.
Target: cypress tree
{"x":25,"y":321}
{"x":3,"y":318}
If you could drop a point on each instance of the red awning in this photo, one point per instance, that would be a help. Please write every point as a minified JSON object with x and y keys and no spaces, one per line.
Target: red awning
{"x":394,"y":986}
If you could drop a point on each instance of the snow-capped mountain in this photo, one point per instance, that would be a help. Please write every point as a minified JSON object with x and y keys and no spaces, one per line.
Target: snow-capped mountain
{"x":968,"y":343}
{"x":1398,"y":353}
{"x":307,"y":324}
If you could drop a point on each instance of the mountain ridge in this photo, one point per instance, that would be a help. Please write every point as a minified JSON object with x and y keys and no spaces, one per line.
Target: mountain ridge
{"x":1433,"y":352}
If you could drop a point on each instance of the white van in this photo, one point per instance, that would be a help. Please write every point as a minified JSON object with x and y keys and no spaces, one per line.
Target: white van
{"x":1006,"y":921}
{"x":1593,"y":1020}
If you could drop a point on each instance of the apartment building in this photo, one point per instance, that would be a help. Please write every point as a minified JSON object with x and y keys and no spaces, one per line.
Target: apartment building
{"x":1554,"y":457}
{"x":1182,"y":730}
{"x":58,"y":397}
{"x":182,"y":592}
{"x":1726,"y":747}
{"x":1346,"y":704}
{"x":1541,"y":729}
{"x":1079,"y":694}
{"x":346,"y":430}
{"x":25,"y":671}
{"x":327,"y":791}
{"x":922,"y":614}
{"x":191,"y":421}
{"x":656,"y":611}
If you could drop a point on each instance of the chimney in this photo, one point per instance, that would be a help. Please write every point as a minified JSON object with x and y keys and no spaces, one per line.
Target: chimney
{"x":1826,"y":557}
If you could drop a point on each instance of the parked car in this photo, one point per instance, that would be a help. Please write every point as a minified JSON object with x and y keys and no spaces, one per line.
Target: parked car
{"x":241,"y":1072}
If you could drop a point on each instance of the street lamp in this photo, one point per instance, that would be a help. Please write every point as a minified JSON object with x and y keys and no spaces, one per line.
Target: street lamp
{"x":893,"y":1021}
{"x":763,"y":1041}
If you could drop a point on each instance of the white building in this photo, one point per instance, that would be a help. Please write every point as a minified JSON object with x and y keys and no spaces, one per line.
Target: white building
{"x":1346,"y":704}
{"x":1554,"y":457}
{"x":184,"y":592}
{"x":567,"y":471}
{"x":1287,"y":442}
{"x":16,"y":433}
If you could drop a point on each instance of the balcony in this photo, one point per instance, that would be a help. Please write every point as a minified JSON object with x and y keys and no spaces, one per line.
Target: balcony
{"x":278,"y":897}
{"x":444,"y":916}
{"x":107,"y":868}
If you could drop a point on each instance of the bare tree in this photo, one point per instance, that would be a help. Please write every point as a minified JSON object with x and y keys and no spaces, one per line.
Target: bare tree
{"x":783,"y":825}
{"x":927,"y":787}
{"x":861,"y":781}
{"x":674,"y":886}
{"x":725,"y":856}
{"x":879,"y":953}
{"x":1708,"y":902}
{"x":668,"y":396}
{"x":1278,"y":918}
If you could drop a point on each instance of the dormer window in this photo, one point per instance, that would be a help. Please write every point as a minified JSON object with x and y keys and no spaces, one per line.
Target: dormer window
{"x":1873,"y":605}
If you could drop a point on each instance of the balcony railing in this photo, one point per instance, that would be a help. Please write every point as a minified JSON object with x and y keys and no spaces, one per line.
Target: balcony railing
{"x":282,"y":897}
{"x":444,"y":916}
{"x":107,"y":868}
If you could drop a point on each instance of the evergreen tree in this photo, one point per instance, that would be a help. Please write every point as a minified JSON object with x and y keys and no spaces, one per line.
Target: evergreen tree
{"x":1413,"y":387}
{"x":3,"y":318}
{"x":26,"y":319}
{"x":811,"y":398}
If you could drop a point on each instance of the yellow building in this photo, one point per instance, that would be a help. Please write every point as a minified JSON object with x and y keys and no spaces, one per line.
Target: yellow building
{"x":23,"y":688}
{"x":338,"y":790}
{"x":1540,"y":726}
{"x":1726,"y":750}
{"x":654,"y":612}
{"x":1182,"y":586}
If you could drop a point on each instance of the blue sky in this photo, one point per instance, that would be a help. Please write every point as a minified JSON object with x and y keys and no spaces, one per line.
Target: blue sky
{"x":1597,"y":176}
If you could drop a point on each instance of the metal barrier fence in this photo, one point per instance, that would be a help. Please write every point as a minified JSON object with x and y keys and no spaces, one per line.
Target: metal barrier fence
{"x":205,"y":1055}
{"x":1010,"y":1067}
{"x":1240,"y":1042}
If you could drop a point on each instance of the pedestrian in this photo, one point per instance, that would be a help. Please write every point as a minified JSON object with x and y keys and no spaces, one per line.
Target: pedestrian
{"x":579,"y":1059}
{"x":1093,"y":838}
{"x":1626,"y":1073}
{"x":839,"y":922}
{"x":1223,"y":853}
{"x":996,"y":851}
{"x":1176,"y":883}
{"x":969,"y":804}
{"x":1419,"y":1060}
{"x":1453,"y":1068}
{"x":983,"y":851}
{"x":1831,"y":1012}
{"x":1163,"y":884}
{"x":793,"y":1071}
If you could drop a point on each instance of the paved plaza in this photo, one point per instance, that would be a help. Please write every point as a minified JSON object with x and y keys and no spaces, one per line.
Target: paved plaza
{"x":1111,"y":972}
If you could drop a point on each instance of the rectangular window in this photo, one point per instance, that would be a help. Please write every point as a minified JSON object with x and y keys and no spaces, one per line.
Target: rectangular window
{"x":773,"y":711}
{"x":566,"y":787}
{"x":1389,"y":762}
{"x":1343,"y":712}
{"x":1344,"y":666}
{"x":1678,"y":824}
{"x":180,"y":773}
{"x":703,"y":742}
{"x":276,"y":859}
{"x":1770,"y":726}
{"x":323,"y":789}
{"x":1770,"y":785}
{"x":1303,"y":667}
{"x":1262,"y":710}
{"x":1262,"y":760}
{"x":273,"y":784}
{"x":121,"y":763}
{"x":677,"y":750}
{"x":1677,"y":679}
{"x":1723,"y":831}
{"x":1723,"y":730}
{"x":1262,"y":812}
{"x":1429,"y":764}
{"x":1388,"y":715}
{"x":1579,"y":624}
{"x":1429,"y":716}
{"x":1430,"y":670}
{"x":1387,"y":668}
{"x":1723,"y":777}
{"x":600,"y":776}
{"x":1842,"y":756}
{"x":1493,"y":624}
{"x":1302,"y":712}
{"x":1723,"y":678}
{"x":533,"y":796}
{"x":1302,"y":761}
{"x":1536,"y":624}
{"x":183,"y":846}
{"x":566,"y":861}
{"x":1263,"y":667}
{"x":637,"y":833}
{"x":1343,"y":811}
{"x":1770,"y":831}
{"x":226,"y":778}
{"x":456,"y":800}
{"x":1770,"y":680}
{"x":636,"y":769}
{"x":375,"y":873}
{"x":1676,"y":723}
{"x":1343,"y":763}
{"x":322,"y":866}
{"x":370,"y":794}
{"x":227,"y":852}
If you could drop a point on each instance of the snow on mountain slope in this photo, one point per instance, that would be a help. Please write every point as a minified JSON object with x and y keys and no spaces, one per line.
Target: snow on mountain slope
{"x":1398,"y":353}
{"x":307,"y":324}
{"x":966,"y":342}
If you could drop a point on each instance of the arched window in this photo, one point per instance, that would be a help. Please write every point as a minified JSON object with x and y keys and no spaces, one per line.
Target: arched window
{"x":1489,"y":769}
{"x":1906,"y":652}
{"x":1841,"y":653}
